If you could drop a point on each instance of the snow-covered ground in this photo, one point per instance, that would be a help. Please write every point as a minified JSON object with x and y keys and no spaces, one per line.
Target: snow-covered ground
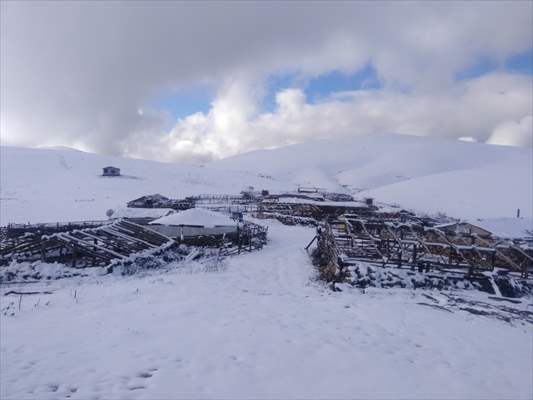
{"x":464,"y":180}
{"x":262,"y":326}
{"x":64,"y":185}
{"x":492,"y":191}
{"x":259,"y":328}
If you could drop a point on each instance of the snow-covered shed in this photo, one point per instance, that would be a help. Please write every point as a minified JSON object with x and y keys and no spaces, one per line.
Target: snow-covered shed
{"x":508,"y":228}
{"x":302,"y":195}
{"x":332,"y":196}
{"x":110,"y":171}
{"x":150,"y":201}
{"x":194,"y":222}
{"x":141,"y":215}
{"x":464,"y":228}
{"x":309,"y":189}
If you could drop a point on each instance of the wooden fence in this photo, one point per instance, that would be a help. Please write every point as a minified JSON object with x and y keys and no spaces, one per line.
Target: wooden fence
{"x":350,"y":239}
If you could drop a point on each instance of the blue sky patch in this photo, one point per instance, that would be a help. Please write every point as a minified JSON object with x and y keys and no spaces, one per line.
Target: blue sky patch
{"x":482,"y":67}
{"x":321,"y":87}
{"x":521,"y":63}
{"x":278,"y":82}
{"x":184,"y":101}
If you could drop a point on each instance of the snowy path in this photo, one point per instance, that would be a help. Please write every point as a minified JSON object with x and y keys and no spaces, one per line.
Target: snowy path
{"x":259,"y":329}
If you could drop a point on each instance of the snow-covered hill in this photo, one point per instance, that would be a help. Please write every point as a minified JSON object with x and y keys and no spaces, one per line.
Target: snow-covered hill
{"x":465,"y":180}
{"x":39,"y":185}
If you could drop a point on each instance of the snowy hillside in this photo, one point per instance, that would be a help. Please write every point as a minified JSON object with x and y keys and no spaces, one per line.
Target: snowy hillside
{"x":466,"y":180}
{"x":49,"y":185}
{"x":491,"y":191}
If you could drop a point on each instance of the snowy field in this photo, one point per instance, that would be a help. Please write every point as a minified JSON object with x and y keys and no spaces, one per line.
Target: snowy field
{"x":261,"y":327}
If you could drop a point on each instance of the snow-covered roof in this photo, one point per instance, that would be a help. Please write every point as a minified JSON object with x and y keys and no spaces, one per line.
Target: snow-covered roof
{"x":156,"y":196}
{"x":297,"y":200}
{"x":446,"y":225}
{"x":507,"y":227}
{"x":196,"y":217}
{"x":462,"y":223}
{"x":314,"y":195}
{"x":129,"y":212}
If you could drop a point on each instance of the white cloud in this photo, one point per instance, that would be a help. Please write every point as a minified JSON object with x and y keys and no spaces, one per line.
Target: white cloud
{"x":81,"y":77}
{"x":476,"y":109}
{"x":514,"y":133}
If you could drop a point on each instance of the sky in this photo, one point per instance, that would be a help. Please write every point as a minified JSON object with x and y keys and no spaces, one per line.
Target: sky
{"x":194,"y":82}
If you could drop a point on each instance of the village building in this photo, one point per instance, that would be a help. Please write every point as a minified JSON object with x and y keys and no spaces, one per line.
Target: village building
{"x":150,"y":201}
{"x":300,"y":195}
{"x":309,"y":189}
{"x":141,"y":216}
{"x":250,"y":193}
{"x":159,"y":201}
{"x":331,"y":196}
{"x":195,"y":222}
{"x":110,"y":171}
{"x":180,"y":204}
{"x":508,"y":228}
{"x":296,"y":206}
{"x":463,"y":229}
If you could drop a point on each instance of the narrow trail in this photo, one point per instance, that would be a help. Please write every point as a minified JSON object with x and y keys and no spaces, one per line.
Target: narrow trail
{"x":260,"y":328}
{"x":282,"y":267}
